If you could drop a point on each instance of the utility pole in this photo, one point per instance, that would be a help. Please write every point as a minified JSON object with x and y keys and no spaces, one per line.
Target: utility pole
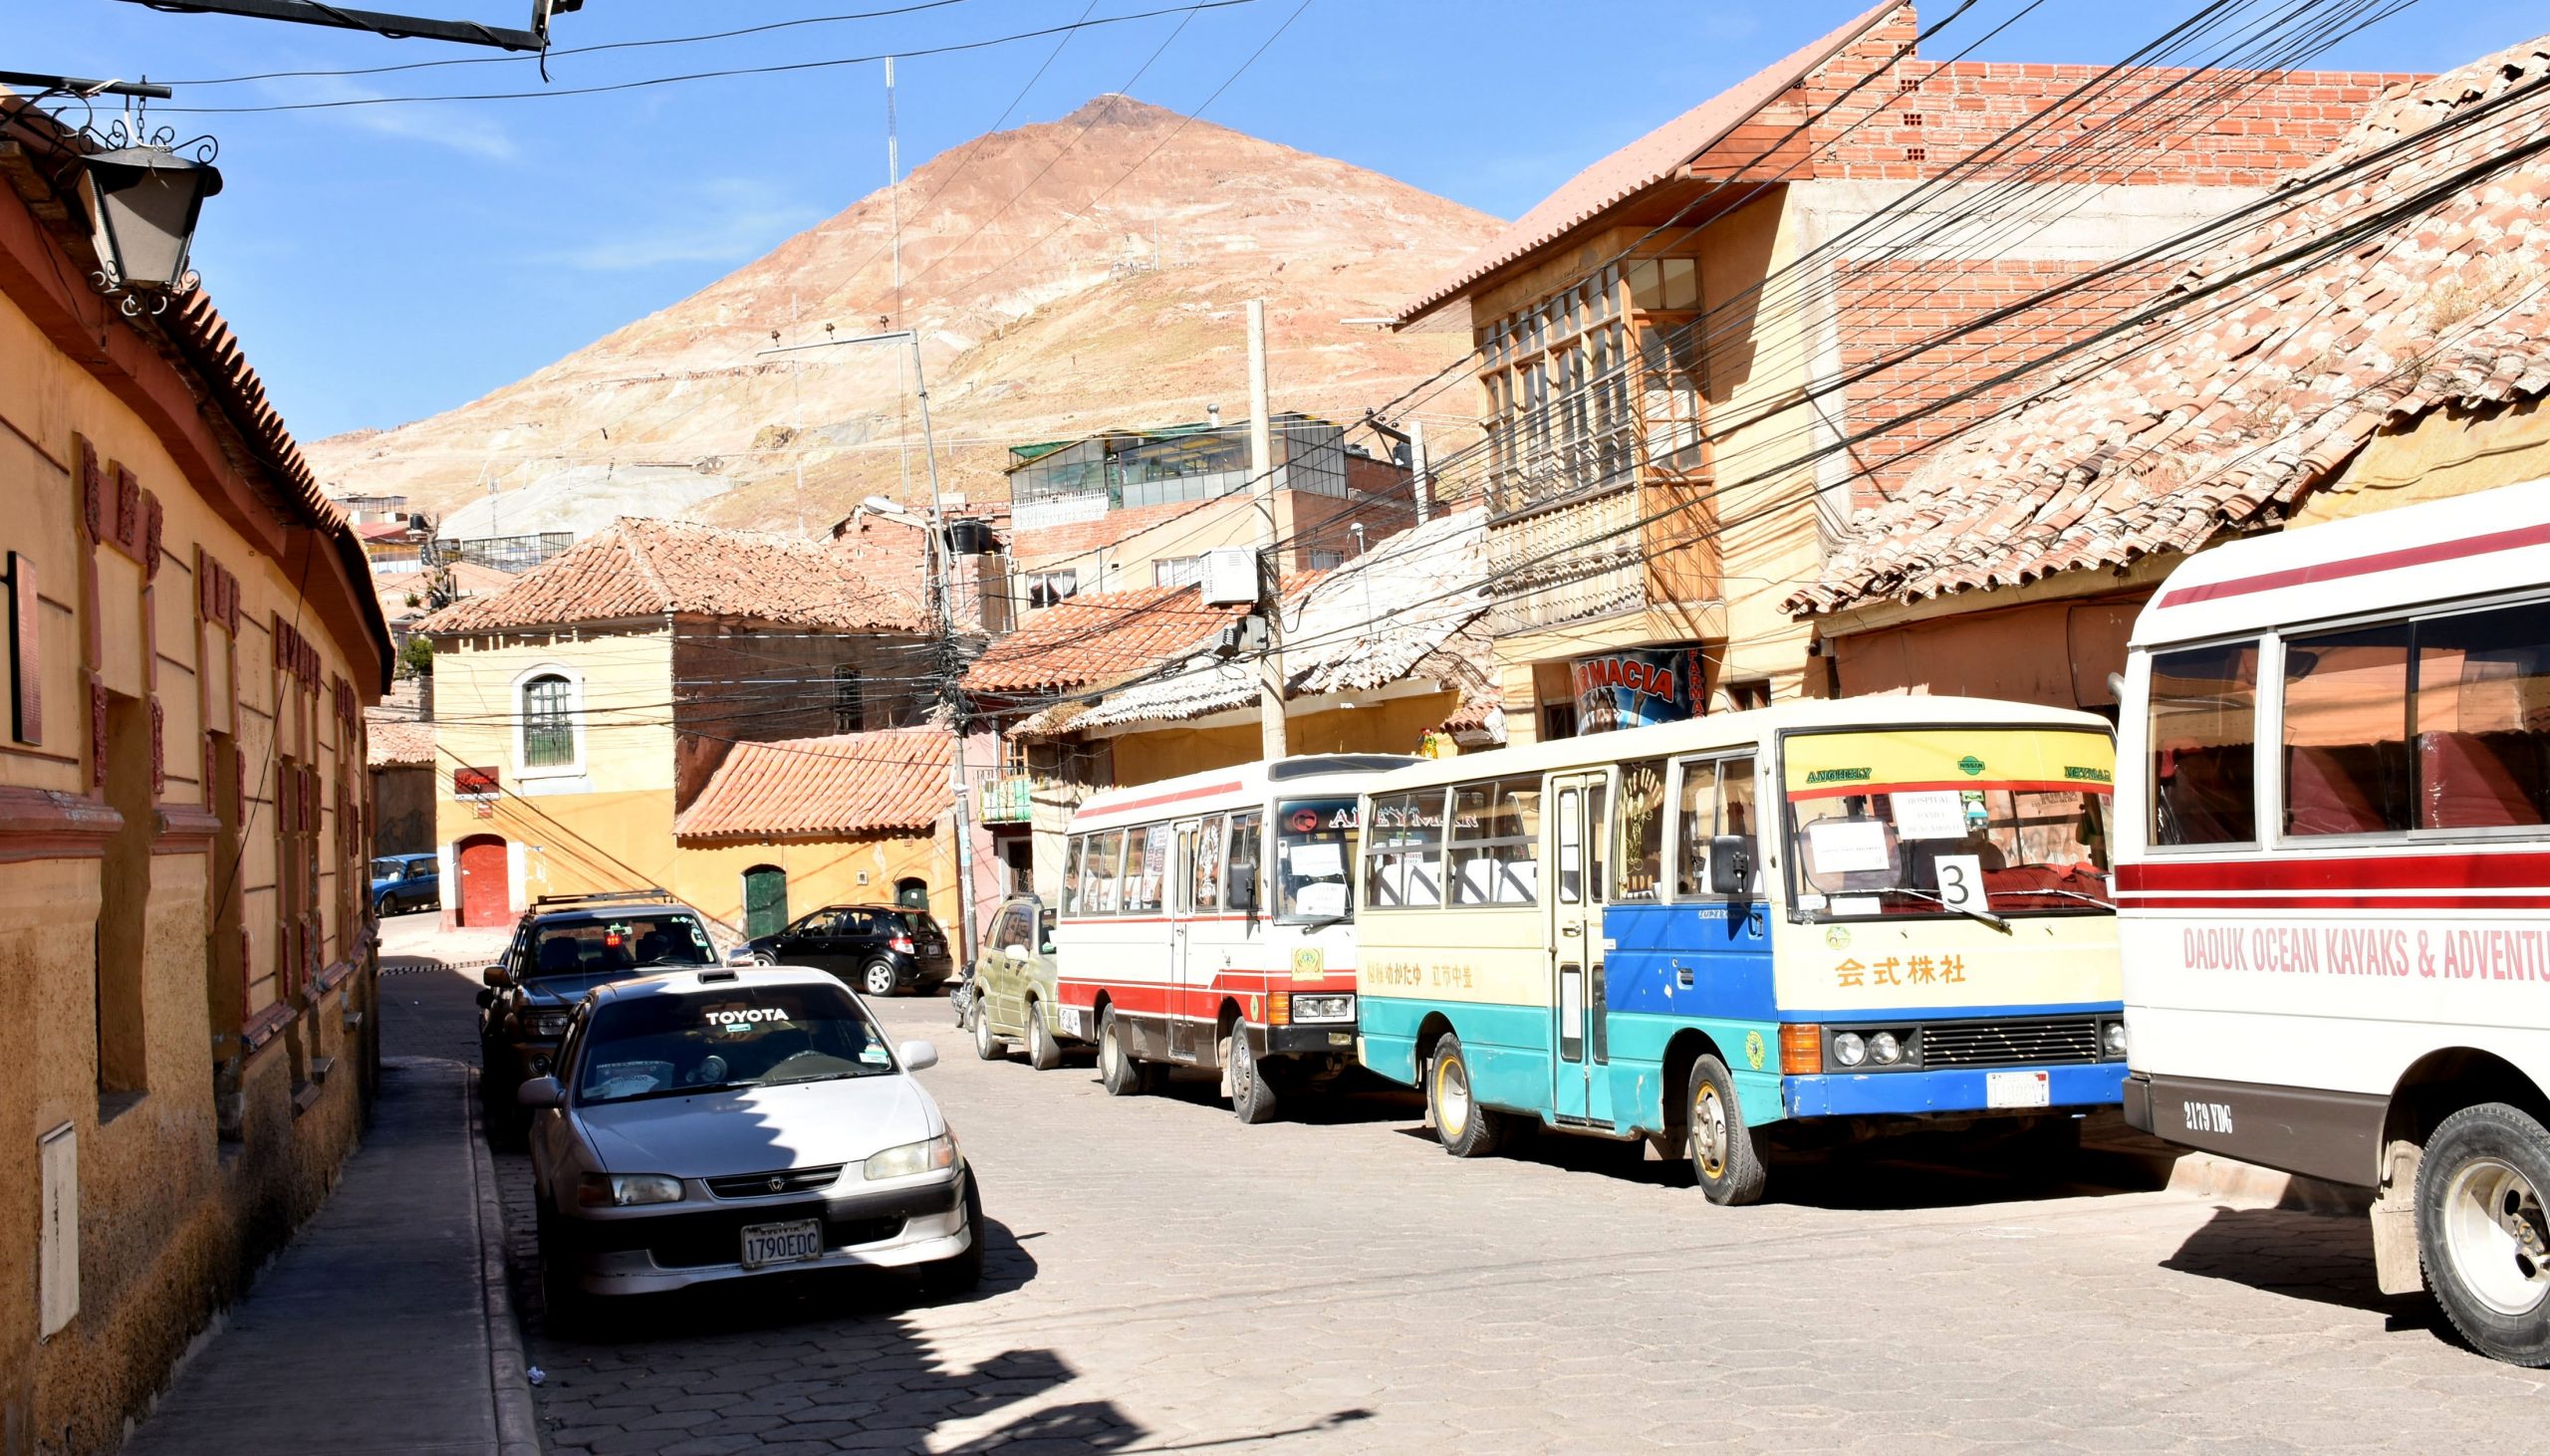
{"x":943,"y":599}
{"x":1270,"y":577}
{"x":1420,"y":477}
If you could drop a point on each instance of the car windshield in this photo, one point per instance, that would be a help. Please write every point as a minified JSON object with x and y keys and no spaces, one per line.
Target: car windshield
{"x":744,"y":1034}
{"x":1314,"y":845}
{"x":602,"y":946}
{"x":1935,"y":821}
{"x":920,"y":923}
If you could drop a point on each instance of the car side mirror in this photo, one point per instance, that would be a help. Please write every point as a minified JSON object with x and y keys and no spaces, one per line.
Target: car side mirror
{"x":1014,"y":952}
{"x":918,"y":1055}
{"x":1731,"y":865}
{"x":492,"y":976}
{"x":540,"y":1091}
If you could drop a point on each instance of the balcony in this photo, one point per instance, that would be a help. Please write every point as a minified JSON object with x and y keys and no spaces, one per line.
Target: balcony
{"x":1591,"y":527}
{"x":1002,"y":799}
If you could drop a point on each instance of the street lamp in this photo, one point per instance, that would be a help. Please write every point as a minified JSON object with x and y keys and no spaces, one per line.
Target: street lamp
{"x":143,"y":200}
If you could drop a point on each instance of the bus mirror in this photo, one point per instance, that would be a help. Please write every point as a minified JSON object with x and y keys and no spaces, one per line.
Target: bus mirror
{"x":1243,"y":887}
{"x":1731,"y":865}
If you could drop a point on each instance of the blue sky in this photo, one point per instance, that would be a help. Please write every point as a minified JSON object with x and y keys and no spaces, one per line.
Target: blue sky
{"x":383,"y":263}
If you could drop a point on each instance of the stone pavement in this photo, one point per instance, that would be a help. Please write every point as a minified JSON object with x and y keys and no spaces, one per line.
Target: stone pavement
{"x":1161,"y":1278}
{"x":371,"y":1332}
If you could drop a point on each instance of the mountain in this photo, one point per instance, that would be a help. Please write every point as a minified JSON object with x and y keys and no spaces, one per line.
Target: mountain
{"x":1068,"y":277}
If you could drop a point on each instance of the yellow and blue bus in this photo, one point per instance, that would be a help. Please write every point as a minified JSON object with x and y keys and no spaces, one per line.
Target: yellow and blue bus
{"x":1785,"y":928}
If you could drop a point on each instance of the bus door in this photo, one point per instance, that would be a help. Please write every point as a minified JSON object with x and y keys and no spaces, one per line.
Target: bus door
{"x":1186,"y":1033}
{"x":1578,"y":828}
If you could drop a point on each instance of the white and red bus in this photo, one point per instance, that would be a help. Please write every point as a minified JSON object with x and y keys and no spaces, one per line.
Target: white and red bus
{"x":1209,"y":922}
{"x":2333,"y":882}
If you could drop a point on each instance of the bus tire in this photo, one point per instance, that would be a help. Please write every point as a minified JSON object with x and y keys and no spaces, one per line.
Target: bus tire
{"x":1465,"y":1128}
{"x":1731,"y":1169}
{"x":1118,"y":1071}
{"x":987,"y":1045}
{"x":1043,"y":1052}
{"x":1254,"y":1098}
{"x":2481,"y":1231}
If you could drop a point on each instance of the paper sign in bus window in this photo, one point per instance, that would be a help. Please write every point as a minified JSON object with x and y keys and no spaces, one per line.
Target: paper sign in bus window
{"x":1848,"y":846}
{"x":1327,"y":897}
{"x":1928,"y":815}
{"x":1312,"y":862}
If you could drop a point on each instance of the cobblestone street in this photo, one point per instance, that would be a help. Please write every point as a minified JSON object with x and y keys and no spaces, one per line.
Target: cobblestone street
{"x":1162,"y":1278}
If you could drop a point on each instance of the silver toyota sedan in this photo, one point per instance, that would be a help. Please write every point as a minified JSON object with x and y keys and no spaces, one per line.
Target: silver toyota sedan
{"x":725,"y":1123}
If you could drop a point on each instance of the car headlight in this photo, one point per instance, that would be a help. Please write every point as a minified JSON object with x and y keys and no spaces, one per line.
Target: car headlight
{"x":2114,"y":1038}
{"x":550,"y":1023}
{"x":1323,"y":1008}
{"x":1885,"y":1049}
{"x":913,"y":1158}
{"x":625,"y":1190}
{"x":1849,"y":1048}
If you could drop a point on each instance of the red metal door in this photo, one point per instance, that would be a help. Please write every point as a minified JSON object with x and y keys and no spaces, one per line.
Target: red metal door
{"x":483,"y":896}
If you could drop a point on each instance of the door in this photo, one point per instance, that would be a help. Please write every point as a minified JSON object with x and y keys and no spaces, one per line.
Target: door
{"x":1723,"y":947}
{"x":1579,"y":827}
{"x":997,"y":973}
{"x":1191,"y":1012}
{"x":485,"y":899}
{"x":765,"y":901}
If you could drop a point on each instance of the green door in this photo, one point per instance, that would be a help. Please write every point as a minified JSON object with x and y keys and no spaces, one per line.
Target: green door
{"x":765,"y":901}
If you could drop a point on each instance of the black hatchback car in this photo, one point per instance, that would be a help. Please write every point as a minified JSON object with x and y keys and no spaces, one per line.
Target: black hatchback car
{"x":883,"y":950}
{"x":563,"y":946}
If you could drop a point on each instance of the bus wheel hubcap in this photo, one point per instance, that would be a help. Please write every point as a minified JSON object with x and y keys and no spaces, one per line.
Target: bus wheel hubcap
{"x":1708,"y":1131}
{"x":1452,"y":1099}
{"x":2494,"y":1228}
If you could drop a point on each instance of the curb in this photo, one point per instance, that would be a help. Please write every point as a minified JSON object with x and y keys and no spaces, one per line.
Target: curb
{"x":508,"y":1380}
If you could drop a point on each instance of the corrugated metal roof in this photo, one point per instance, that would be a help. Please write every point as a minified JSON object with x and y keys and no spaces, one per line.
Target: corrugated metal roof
{"x":895,"y":781}
{"x":2219,"y":416}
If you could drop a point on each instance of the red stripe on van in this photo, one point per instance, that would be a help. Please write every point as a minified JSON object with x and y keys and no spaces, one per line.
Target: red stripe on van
{"x":2362,"y":566}
{"x":2322,"y":873}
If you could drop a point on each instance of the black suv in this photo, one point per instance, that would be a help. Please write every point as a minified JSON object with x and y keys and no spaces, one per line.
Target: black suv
{"x":565,"y":946}
{"x":883,"y":950}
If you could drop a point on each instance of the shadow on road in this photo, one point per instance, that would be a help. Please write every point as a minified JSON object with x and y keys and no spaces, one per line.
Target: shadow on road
{"x":2302,"y":1256}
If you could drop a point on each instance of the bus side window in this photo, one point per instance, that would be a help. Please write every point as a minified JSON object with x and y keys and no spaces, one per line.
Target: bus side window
{"x":2203,"y":722}
{"x":1698,"y":825}
{"x":1071,"y":861}
{"x":1239,"y":881}
{"x":1208,"y":892}
{"x":1640,"y":859}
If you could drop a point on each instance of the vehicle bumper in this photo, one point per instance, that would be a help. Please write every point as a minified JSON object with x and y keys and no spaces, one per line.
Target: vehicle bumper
{"x":1314,"y":1038}
{"x":1957,"y":1089}
{"x":928,"y":970}
{"x":638,"y":1252}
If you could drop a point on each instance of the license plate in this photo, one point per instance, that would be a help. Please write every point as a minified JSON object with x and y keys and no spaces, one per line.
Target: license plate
{"x":2017,"y":1090}
{"x":783,"y":1243}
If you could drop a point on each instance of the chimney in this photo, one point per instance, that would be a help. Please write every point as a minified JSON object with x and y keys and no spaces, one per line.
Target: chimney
{"x":424,"y":697}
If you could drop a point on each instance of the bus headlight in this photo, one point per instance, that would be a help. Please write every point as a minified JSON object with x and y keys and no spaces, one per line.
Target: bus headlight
{"x":1323,"y":1008}
{"x":1886,"y":1048}
{"x":1849,"y":1048}
{"x":2111,"y":1036}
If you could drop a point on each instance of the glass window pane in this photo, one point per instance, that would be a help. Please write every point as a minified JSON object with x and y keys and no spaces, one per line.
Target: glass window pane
{"x":2203,"y":730}
{"x":1699,"y":822}
{"x":1072,"y":862}
{"x":1571,"y":853}
{"x":1681,"y":283}
{"x":1242,"y":889}
{"x":1105,"y":859}
{"x":1208,"y":892}
{"x":1641,"y":828}
{"x":548,"y":727}
{"x":1644,"y":291}
{"x":2483,"y":719}
{"x":2346,"y":732}
{"x":1404,"y":859}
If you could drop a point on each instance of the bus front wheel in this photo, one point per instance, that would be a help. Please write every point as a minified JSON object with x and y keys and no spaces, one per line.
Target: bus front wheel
{"x":2482,"y":1231}
{"x":1253,"y":1096}
{"x":1465,"y":1128}
{"x":1731,"y":1169}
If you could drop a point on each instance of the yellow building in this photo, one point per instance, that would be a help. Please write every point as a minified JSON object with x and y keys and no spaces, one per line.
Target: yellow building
{"x":581,"y":711}
{"x":1699,"y":356}
{"x":185,"y":941}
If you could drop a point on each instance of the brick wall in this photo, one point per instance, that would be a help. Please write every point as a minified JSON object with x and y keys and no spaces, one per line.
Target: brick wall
{"x":2219,"y":129}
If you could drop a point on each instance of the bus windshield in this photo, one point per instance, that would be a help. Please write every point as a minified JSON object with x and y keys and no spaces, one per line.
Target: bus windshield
{"x":1314,"y":852}
{"x":1940,"y":821}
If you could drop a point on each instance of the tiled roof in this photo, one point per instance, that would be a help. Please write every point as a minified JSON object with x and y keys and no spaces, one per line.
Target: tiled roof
{"x":890,"y":782}
{"x":399,"y":743}
{"x":1642,"y":165}
{"x":643,"y":568}
{"x":1371,"y":622}
{"x":1091,"y":641}
{"x":2223,"y":413}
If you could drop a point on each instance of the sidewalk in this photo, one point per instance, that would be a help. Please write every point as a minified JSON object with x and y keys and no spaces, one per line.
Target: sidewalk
{"x":385,"y":1326}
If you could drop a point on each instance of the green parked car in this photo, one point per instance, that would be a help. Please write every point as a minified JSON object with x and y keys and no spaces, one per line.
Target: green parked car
{"x":1014,"y":997}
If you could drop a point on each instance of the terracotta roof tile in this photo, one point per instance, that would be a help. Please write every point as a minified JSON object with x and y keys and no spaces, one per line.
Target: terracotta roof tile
{"x":643,"y":568}
{"x":852,"y":783}
{"x":1091,"y":641}
{"x":1642,"y":163}
{"x":2218,"y":416}
{"x":399,"y":743}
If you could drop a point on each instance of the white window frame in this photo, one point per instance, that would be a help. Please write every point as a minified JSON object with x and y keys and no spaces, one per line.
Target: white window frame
{"x":574,"y":768}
